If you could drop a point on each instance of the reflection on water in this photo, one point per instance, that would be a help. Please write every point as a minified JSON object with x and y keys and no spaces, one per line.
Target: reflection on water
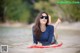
{"x":19,"y":38}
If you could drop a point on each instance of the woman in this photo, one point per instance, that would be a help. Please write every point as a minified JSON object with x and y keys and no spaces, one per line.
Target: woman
{"x":43,"y":32}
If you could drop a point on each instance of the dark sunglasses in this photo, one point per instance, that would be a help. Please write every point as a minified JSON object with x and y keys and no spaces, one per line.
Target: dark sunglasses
{"x":46,"y":17}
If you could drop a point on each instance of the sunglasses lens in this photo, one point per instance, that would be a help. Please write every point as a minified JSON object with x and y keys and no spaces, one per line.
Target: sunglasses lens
{"x":44,"y":17}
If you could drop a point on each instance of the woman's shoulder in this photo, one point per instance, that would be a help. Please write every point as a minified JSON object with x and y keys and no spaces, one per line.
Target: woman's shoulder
{"x":32,"y":27}
{"x":50,"y":26}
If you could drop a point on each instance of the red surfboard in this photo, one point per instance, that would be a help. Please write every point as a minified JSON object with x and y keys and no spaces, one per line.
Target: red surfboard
{"x":53,"y":46}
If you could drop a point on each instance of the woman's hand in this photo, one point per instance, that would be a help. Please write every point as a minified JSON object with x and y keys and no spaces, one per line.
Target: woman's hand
{"x":34,"y":44}
{"x":39,"y":44}
{"x":54,"y":45}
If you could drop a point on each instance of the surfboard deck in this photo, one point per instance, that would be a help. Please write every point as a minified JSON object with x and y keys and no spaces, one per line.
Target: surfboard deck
{"x":53,"y":46}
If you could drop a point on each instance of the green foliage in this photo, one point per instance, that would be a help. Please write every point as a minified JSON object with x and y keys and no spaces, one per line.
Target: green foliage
{"x":71,"y":10}
{"x":16,"y":10}
{"x":26,"y":10}
{"x":47,"y":7}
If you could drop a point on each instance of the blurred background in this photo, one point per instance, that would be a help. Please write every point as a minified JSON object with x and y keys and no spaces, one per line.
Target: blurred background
{"x":17,"y":18}
{"x":25,"y":11}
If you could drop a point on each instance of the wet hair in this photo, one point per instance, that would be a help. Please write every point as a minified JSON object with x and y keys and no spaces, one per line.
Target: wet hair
{"x":36,"y":27}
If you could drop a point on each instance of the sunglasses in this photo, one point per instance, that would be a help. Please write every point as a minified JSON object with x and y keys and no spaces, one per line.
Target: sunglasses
{"x":46,"y":17}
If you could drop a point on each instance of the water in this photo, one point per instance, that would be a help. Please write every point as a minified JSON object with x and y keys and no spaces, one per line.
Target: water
{"x":19,"y":38}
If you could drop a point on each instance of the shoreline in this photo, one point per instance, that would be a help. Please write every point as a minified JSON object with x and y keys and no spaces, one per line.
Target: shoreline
{"x":64,"y":25}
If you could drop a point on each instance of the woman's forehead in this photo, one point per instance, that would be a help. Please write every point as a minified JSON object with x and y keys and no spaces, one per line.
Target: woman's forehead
{"x":44,"y":14}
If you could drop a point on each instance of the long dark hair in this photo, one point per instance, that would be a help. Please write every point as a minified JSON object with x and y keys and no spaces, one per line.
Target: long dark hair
{"x":36,"y":27}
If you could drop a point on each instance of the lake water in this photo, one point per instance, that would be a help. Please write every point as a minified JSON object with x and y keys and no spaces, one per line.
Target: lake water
{"x":18,"y":39}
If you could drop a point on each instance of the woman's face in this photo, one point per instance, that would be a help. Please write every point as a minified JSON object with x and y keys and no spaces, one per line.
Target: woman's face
{"x":43,"y":18}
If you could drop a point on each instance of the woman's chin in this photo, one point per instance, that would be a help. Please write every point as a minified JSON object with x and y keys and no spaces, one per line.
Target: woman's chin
{"x":43,"y":23}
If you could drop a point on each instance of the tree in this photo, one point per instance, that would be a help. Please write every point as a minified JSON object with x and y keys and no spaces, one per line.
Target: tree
{"x":2,"y":7}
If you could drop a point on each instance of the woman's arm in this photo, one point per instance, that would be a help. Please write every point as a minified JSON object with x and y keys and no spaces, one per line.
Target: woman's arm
{"x":35,"y":42}
{"x":34,"y":38}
